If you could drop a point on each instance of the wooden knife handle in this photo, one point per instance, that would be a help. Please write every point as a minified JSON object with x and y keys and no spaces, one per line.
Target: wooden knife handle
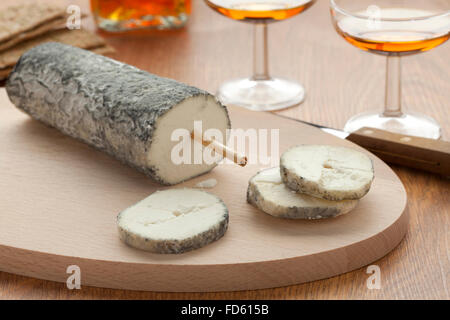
{"x":419,"y":153}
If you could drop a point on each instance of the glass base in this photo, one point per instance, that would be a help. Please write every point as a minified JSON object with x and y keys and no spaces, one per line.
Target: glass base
{"x":261,"y":95}
{"x":412,"y":124}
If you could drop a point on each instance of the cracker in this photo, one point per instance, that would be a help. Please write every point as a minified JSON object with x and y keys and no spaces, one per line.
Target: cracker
{"x":55,"y":24}
{"x":77,"y":38}
{"x":59,"y":23}
{"x":18,"y":19}
{"x":4,"y":73}
{"x":105,"y":50}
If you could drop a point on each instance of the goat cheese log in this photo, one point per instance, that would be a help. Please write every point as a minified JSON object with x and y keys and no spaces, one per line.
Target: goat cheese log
{"x":268,"y":193}
{"x":174,"y":221}
{"x":328,"y":172}
{"x":117,"y":108}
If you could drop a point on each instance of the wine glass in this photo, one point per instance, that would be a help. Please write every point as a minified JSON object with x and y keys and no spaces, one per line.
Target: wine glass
{"x":393,"y":28}
{"x":260,"y":92}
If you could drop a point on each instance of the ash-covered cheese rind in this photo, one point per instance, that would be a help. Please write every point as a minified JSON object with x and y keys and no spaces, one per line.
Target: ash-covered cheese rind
{"x":267,"y":192}
{"x":328,"y":172}
{"x":174,"y":221}
{"x":126,"y":112}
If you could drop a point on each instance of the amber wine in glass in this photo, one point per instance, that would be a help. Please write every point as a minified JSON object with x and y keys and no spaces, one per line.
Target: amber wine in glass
{"x":133,"y":15}
{"x":260,"y":92}
{"x":393,"y":28}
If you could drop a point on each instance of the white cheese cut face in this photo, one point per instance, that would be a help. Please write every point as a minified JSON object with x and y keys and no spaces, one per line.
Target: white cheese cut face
{"x":174,"y":221}
{"x":328,"y":172}
{"x":182,"y":116}
{"x":268,"y":193}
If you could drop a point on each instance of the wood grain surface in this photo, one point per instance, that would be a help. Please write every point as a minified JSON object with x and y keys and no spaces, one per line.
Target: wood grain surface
{"x":71,"y":218}
{"x":340,"y":81}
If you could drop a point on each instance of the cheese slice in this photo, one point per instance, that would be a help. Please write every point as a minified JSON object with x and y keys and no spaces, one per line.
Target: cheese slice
{"x":268,"y":193}
{"x":174,"y":221}
{"x":328,"y":172}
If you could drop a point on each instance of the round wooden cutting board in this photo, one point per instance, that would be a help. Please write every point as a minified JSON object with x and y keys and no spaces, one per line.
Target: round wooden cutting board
{"x":59,"y":200}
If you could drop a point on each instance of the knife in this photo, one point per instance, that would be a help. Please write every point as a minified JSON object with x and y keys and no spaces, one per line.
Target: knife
{"x":409,"y":151}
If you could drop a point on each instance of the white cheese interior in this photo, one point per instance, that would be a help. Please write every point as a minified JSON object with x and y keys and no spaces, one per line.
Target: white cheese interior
{"x":204,"y":108}
{"x":276,"y":196}
{"x":208,"y":183}
{"x":334,"y":168}
{"x":173,"y":214}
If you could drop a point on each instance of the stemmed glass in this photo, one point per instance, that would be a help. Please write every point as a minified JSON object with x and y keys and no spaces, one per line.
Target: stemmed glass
{"x":393,"y":28}
{"x":261,"y":91}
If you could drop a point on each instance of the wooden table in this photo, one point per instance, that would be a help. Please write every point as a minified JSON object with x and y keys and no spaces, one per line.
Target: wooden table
{"x":340,"y":81}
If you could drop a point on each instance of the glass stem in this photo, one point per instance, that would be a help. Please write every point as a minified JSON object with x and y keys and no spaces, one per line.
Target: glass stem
{"x":260,"y":52}
{"x":393,"y":101}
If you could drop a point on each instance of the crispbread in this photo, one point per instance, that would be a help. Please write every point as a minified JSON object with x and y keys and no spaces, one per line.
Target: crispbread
{"x":77,"y":38}
{"x":5,"y":72}
{"x":15,"y":20}
{"x":55,"y":24}
{"x":103,"y":50}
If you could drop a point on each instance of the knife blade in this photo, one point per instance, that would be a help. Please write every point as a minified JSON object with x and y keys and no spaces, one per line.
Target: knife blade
{"x":409,"y":151}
